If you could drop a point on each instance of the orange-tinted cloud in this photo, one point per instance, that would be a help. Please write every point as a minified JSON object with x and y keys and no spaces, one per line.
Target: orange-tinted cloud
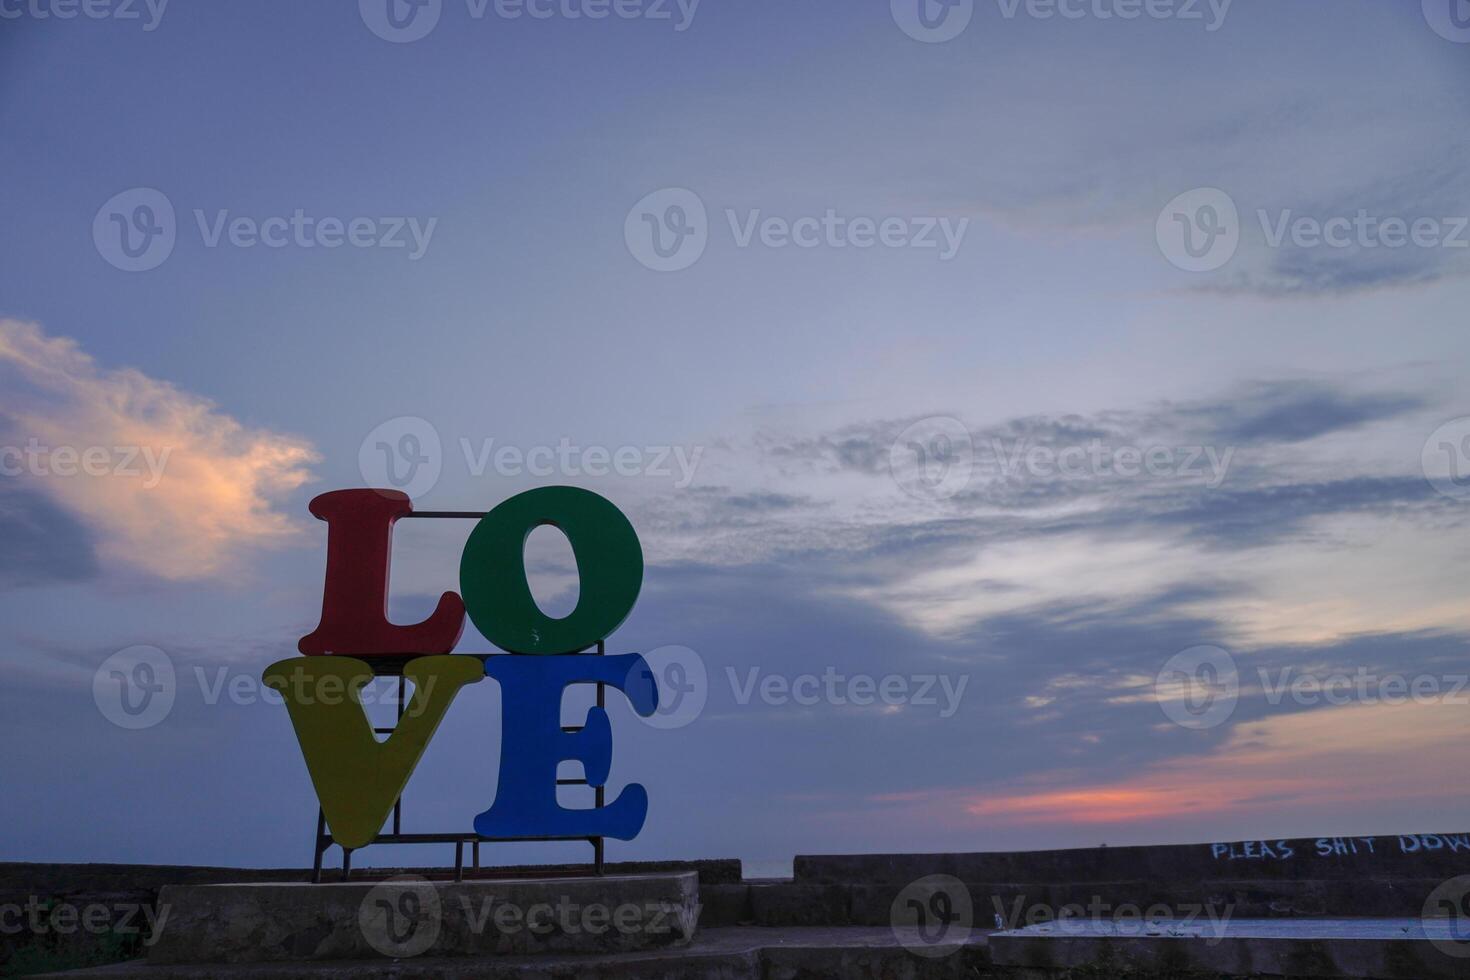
{"x":1303,"y":761}
{"x":167,"y":482}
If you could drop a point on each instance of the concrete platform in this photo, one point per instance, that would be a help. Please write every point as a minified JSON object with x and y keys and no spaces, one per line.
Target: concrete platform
{"x":1374,"y":949}
{"x":833,"y":918}
{"x":409,"y":917}
{"x":717,"y":954}
{"x":1348,"y":949}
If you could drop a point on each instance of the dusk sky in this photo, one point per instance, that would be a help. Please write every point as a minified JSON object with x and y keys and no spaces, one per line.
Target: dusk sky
{"x":1014,"y":350}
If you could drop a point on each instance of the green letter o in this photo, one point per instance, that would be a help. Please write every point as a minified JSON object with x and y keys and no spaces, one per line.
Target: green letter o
{"x":492,"y":571}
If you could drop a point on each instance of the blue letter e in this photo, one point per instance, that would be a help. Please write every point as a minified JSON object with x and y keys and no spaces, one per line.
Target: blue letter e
{"x":533,"y":745}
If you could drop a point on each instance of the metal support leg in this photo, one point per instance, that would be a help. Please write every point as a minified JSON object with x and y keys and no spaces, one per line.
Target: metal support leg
{"x":600,"y":793}
{"x":459,"y":860}
{"x":317,"y":849}
{"x":346,"y":863}
{"x":398,"y":803}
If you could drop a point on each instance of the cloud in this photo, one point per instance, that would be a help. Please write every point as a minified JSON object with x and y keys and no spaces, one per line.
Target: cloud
{"x":44,"y":545}
{"x":162,"y":480}
{"x":1370,"y":253}
{"x":1303,"y":135}
{"x":1263,"y":515}
{"x":1066,"y":689}
{"x":1272,"y":504}
{"x":847,"y":777}
{"x":1294,"y":411}
{"x":1295,"y":761}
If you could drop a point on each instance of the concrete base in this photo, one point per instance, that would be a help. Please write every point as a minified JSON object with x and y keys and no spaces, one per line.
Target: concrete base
{"x":411,"y":917}
{"x":717,"y":954}
{"x":1374,"y":949}
{"x":1351,"y":950}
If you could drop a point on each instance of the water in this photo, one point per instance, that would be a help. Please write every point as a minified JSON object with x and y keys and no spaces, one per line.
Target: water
{"x":780,"y":868}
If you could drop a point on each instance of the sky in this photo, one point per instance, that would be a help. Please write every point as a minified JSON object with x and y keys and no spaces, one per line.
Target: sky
{"x":1045,"y":422}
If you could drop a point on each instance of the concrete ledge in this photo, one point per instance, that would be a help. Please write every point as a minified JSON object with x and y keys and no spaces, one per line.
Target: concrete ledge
{"x":411,"y":917}
{"x":869,"y":904}
{"x":1313,"y":878}
{"x":1438,"y":856}
{"x":1319,"y":949}
{"x":32,"y":878}
{"x":717,"y":954}
{"x":785,"y":903}
{"x":1368,"y":949}
{"x":724,"y":906}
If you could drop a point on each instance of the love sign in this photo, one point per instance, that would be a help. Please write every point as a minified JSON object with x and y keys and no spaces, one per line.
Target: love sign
{"x":357,"y":778}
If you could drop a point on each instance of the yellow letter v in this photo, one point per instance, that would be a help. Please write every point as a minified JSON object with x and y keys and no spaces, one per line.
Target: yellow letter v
{"x":358,"y":778}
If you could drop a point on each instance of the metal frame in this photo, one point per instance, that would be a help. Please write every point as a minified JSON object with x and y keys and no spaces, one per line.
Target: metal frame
{"x":393,"y":666}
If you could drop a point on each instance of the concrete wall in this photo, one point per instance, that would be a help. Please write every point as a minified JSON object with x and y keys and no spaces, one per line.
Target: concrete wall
{"x":1323,"y":858}
{"x":124,"y":898}
{"x":1347,"y":877}
{"x":1351,"y":877}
